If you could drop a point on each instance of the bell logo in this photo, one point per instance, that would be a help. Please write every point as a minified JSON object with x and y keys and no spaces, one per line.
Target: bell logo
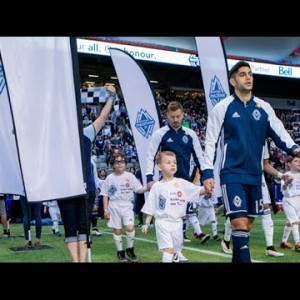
{"x":285,"y":71}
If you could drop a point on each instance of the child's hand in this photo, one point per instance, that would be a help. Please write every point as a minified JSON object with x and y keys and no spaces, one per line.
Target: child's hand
{"x":145,"y":228}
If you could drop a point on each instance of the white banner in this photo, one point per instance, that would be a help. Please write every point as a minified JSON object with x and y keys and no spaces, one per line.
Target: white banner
{"x":140,"y":103}
{"x":40,"y":82}
{"x":10,"y":173}
{"x":215,"y":81}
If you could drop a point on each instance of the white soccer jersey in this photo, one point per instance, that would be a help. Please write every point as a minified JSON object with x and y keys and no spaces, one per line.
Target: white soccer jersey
{"x":291,"y":199}
{"x":120,"y":188}
{"x":168,"y":200}
{"x":293,"y":189}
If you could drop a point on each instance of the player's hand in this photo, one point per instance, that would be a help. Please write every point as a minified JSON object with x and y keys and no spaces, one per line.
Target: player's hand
{"x":287,"y":178}
{"x":145,"y":228}
{"x":111,"y":89}
{"x":149,"y":185}
{"x":209,"y":185}
{"x":297,"y":152}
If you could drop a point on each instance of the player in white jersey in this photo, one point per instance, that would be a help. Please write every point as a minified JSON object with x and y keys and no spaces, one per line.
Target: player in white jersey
{"x":207,"y":215}
{"x":119,"y":188}
{"x":167,"y":202}
{"x":291,"y":199}
{"x":55,"y":215}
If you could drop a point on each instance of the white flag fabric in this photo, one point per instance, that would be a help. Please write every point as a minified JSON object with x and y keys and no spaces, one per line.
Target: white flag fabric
{"x":39,"y":78}
{"x":10,"y":173}
{"x":140,"y":103}
{"x":215,"y":80}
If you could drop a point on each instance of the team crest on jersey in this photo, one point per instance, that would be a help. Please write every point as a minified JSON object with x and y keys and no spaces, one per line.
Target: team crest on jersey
{"x":2,"y":79}
{"x":144,"y":123}
{"x":112,"y":190}
{"x":216,"y":91}
{"x":162,"y":203}
{"x":185,"y":139}
{"x":176,"y":185}
{"x":256,"y":115}
{"x":237,"y":201}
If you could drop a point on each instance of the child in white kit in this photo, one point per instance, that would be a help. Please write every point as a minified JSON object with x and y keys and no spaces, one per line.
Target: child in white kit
{"x":167,"y":202}
{"x":119,"y":188}
{"x":291,"y":198}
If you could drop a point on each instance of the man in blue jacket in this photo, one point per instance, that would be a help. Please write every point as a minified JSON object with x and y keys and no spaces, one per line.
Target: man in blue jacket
{"x":243,"y":122}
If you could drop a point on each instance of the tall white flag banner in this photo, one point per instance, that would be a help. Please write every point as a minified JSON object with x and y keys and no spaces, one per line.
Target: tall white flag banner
{"x":140,"y":103}
{"x":10,"y":173}
{"x":40,"y":84}
{"x":215,"y":80}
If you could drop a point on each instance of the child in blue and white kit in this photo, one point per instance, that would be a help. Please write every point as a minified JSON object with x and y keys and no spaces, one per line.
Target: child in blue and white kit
{"x":167,"y":202}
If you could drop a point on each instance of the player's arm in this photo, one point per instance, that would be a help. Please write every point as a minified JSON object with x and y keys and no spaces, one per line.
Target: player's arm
{"x":146,"y":225}
{"x":268,"y":168}
{"x":105,"y":207}
{"x":98,"y":123}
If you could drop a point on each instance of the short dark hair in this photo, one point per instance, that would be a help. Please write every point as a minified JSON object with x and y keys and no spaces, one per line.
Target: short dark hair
{"x":236,"y":67}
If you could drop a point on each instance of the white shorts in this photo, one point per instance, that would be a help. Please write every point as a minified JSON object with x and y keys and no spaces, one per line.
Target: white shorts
{"x":120,"y":214}
{"x":206,"y":215}
{"x":169,"y":234}
{"x":291,"y":208}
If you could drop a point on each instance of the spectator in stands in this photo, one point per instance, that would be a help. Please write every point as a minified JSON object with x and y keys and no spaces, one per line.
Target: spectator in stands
{"x":26,"y":209}
{"x":245,"y":122}
{"x":73,"y":211}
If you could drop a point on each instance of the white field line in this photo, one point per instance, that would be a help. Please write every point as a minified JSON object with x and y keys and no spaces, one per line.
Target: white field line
{"x":189,"y":248}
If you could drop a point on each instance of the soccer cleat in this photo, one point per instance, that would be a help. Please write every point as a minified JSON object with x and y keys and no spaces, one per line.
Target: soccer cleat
{"x":226,"y":247}
{"x":185,"y":239}
{"x":97,"y":232}
{"x":131,"y":255}
{"x":203,"y":237}
{"x":286,"y":245}
{"x":271,"y":251}
{"x":57,"y":233}
{"x":121,"y":256}
{"x":217,"y":238}
{"x":179,"y":257}
{"x":297,"y":247}
{"x":6,"y":233}
{"x":139,"y":225}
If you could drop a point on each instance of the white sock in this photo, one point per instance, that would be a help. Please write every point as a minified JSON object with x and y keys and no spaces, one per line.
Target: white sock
{"x":195,"y":223}
{"x":55,"y":225}
{"x":228,"y":230}
{"x":268,"y":227}
{"x":118,"y":242}
{"x":167,"y":257}
{"x":130,"y":238}
{"x":214,"y":228}
{"x":286,"y":233}
{"x":295,"y":231}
